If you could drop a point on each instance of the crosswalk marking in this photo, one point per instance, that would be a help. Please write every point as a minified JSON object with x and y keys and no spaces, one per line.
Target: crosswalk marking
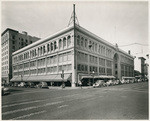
{"x":62,"y":106}
{"x":16,"y":104}
{"x":30,"y":108}
{"x":28,"y":115}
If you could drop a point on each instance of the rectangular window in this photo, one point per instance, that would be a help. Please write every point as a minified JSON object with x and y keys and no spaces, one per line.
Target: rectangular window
{"x":69,"y":67}
{"x":65,"y":56}
{"x":60,"y":58}
{"x":60,"y":68}
{"x":69,"y":56}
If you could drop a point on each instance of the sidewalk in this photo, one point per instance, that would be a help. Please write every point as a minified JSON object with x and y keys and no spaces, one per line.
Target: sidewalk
{"x":68,"y":88}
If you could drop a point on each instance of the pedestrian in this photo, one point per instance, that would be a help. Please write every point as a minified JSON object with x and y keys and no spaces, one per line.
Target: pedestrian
{"x":80,"y":83}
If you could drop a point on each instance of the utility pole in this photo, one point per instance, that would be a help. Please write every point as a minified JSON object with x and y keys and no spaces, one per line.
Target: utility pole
{"x":74,"y":14}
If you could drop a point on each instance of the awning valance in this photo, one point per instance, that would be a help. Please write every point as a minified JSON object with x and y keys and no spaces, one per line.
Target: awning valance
{"x":47,"y":78}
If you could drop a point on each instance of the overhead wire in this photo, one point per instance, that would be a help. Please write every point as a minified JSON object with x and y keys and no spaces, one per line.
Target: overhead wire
{"x":133,"y":44}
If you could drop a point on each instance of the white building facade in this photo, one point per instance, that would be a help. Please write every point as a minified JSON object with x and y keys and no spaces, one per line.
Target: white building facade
{"x":11,"y":41}
{"x":76,"y":51}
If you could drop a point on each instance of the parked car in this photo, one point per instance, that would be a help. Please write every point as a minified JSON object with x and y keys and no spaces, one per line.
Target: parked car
{"x":131,"y":80}
{"x":109,"y":83}
{"x":15,"y":84}
{"x":23,"y":84}
{"x":4,"y":90}
{"x":116,"y":82}
{"x":30,"y":84}
{"x":126,"y":81}
{"x":99,"y":83}
{"x":42,"y":85}
{"x":139,"y":80}
{"x":122,"y":81}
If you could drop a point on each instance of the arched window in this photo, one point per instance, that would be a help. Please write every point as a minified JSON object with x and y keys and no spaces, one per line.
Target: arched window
{"x":93,"y":46}
{"x":27,"y":54}
{"x":64,"y":42}
{"x":82,"y":41}
{"x":38,"y":51}
{"x":48,"y":47}
{"x":51,"y":46}
{"x":60,"y":44}
{"x":55,"y":45}
{"x":85,"y":43}
{"x":44,"y":49}
{"x":41,"y":51}
{"x":78,"y":40}
{"x":24,"y":56}
{"x":30,"y":54}
{"x":68,"y":41}
{"x":35,"y":52}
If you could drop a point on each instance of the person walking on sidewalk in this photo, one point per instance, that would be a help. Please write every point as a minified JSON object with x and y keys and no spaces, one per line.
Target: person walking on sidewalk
{"x":80,"y":83}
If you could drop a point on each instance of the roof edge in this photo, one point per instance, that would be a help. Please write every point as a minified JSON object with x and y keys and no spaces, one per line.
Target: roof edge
{"x":8,"y":29}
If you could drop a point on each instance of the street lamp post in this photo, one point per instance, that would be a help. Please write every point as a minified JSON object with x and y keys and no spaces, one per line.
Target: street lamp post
{"x":62,"y":76}
{"x":93,"y":76}
{"x":21,"y":78}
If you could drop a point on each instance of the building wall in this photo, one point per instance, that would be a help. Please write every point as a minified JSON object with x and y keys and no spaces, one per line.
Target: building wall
{"x":76,"y":51}
{"x":10,"y":43}
{"x":95,"y":55}
{"x":49,"y":57}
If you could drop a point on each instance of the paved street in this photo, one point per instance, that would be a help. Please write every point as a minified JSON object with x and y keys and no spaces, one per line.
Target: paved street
{"x":128,"y":101}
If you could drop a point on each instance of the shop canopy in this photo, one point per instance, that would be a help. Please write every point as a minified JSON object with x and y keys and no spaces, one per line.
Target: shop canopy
{"x":104,"y":76}
{"x":127,"y":77}
{"x":97,"y":77}
{"x":19,"y":78}
{"x":40,"y":78}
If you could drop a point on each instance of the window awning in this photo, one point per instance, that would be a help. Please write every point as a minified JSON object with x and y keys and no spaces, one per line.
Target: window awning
{"x":37,"y":78}
{"x":104,"y":76}
{"x":96,"y":77}
{"x":47,"y":78}
{"x":86,"y":77}
{"x":18,"y":78}
{"x":128,"y":77}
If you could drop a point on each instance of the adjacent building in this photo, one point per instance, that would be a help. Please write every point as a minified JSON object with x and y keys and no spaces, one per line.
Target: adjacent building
{"x":11,"y":41}
{"x":76,"y":52}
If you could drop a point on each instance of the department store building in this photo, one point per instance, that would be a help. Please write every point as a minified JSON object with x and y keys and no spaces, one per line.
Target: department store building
{"x":74,"y":51}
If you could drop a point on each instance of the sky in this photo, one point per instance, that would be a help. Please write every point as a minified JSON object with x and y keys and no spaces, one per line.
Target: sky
{"x":121,"y":22}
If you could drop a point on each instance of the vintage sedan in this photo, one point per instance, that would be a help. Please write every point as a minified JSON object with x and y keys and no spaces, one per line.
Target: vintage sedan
{"x":99,"y":83}
{"x":42,"y":85}
{"x":109,"y":83}
{"x":4,"y":90}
